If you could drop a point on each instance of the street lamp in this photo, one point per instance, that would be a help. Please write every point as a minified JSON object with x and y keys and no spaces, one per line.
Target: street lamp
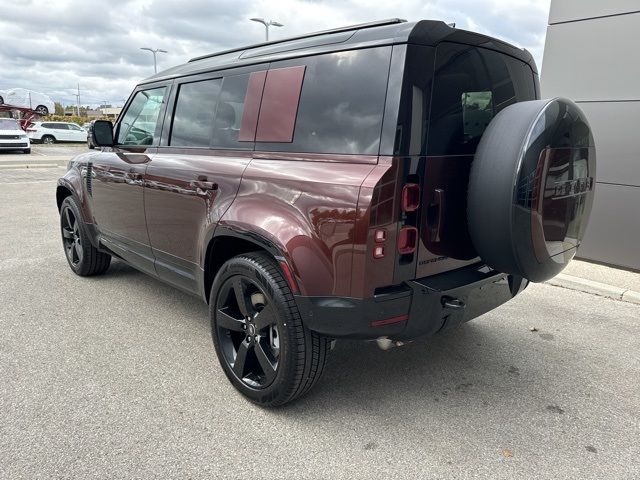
{"x":267,"y":24}
{"x":154,"y":51}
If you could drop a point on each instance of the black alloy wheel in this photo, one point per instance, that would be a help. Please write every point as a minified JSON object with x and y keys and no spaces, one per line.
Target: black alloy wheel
{"x":71,"y":237}
{"x":262,"y":344}
{"x":83,"y":258}
{"x":248,"y":331}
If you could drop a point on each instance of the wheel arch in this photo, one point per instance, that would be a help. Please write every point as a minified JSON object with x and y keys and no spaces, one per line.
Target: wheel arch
{"x":228,"y":242}
{"x":62,"y":192}
{"x":71,"y":186}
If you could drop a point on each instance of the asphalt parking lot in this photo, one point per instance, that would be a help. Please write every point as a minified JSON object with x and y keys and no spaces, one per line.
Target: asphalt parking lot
{"x":40,"y":150}
{"x":115,"y":377}
{"x":68,"y":149}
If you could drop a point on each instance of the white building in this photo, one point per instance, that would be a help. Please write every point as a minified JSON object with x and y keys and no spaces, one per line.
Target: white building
{"x":591,"y":56}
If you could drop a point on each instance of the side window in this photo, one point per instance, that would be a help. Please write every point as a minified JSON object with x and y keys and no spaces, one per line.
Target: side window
{"x":341,"y":103}
{"x":471,"y":85}
{"x":139,"y":123}
{"x":60,"y":126}
{"x":229,"y":111}
{"x":194,"y":113}
{"x":73,"y":126}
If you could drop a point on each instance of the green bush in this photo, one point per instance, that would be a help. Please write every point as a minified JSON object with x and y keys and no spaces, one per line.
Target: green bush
{"x":73,"y":119}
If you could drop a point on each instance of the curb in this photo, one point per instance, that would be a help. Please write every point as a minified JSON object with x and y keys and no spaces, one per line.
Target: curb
{"x":32,"y":166}
{"x":594,"y":288}
{"x":43,"y":163}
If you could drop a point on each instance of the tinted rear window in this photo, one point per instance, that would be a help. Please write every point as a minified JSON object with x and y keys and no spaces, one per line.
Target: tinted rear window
{"x":341,"y":103}
{"x":471,"y":85}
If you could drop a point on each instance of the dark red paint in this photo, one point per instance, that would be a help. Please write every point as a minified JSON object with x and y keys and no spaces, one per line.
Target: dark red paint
{"x":280,"y":104}
{"x":252,"y":100}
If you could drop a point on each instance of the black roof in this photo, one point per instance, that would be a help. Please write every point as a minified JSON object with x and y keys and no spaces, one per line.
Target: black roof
{"x":384,"y":32}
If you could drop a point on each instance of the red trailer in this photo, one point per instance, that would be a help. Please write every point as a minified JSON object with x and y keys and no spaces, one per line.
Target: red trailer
{"x":25,"y":117}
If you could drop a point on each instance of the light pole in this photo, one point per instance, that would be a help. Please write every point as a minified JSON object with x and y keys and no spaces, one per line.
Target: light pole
{"x":267,"y":24}
{"x":154,"y":51}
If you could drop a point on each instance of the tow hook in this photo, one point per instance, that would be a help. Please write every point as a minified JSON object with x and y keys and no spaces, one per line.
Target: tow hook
{"x":452,"y":303}
{"x":385,"y":343}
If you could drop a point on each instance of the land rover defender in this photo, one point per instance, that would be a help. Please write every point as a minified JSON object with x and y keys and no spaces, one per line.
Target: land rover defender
{"x":389,"y":181}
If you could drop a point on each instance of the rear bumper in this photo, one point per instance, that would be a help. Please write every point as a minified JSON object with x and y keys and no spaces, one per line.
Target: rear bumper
{"x":421,"y":307}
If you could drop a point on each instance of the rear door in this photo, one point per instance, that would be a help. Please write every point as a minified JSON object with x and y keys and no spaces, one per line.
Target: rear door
{"x":61,"y":131}
{"x":470,"y":86}
{"x":196,"y":172}
{"x":116,"y":181}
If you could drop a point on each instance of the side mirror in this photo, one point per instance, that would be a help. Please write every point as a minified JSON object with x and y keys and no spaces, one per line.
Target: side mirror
{"x":102,"y":133}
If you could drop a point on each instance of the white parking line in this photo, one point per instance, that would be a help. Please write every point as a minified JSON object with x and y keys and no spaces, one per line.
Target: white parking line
{"x":27,"y":183}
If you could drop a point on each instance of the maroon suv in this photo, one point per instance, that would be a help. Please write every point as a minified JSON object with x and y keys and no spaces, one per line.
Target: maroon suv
{"x":382,"y":181}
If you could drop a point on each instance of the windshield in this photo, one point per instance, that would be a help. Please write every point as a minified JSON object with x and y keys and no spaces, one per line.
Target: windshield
{"x":9,"y":124}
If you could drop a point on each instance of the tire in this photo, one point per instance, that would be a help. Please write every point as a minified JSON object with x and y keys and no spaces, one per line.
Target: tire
{"x":531,"y":188}
{"x":83,"y":258}
{"x":26,"y":151}
{"x":271,"y":333}
{"x":42,"y":110}
{"x":90,"y":145}
{"x":1,"y":101}
{"x":48,"y":139}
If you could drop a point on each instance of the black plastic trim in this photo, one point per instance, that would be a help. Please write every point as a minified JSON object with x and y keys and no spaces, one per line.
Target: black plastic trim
{"x":430,"y":305}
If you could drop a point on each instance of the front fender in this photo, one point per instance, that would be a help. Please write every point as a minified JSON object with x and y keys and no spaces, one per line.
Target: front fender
{"x":74,"y":182}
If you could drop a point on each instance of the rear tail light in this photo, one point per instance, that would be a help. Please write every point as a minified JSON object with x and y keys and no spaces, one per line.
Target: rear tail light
{"x":407,"y":240}
{"x":380,"y":235}
{"x":378,"y":251}
{"x":410,"y":197}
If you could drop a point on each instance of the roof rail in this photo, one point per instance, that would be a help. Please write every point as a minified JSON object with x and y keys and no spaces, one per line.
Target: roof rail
{"x":379,"y":23}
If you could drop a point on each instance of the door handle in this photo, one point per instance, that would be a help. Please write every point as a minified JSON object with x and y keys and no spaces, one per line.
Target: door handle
{"x":204,"y":185}
{"x":435,"y":215}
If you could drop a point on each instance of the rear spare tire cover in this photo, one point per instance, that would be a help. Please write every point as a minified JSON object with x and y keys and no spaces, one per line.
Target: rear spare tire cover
{"x":531,"y":188}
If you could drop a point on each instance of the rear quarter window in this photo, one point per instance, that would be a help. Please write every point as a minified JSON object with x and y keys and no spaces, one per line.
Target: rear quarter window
{"x":341,"y":103}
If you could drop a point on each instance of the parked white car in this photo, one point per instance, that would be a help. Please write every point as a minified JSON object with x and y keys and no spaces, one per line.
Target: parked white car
{"x":52,"y":132}
{"x":23,"y":98}
{"x":12,"y":137}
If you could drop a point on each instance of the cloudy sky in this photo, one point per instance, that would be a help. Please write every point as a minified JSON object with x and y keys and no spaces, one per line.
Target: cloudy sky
{"x":51,"y":46}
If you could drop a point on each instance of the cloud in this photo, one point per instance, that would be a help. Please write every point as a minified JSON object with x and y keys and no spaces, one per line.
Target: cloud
{"x":96,"y":43}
